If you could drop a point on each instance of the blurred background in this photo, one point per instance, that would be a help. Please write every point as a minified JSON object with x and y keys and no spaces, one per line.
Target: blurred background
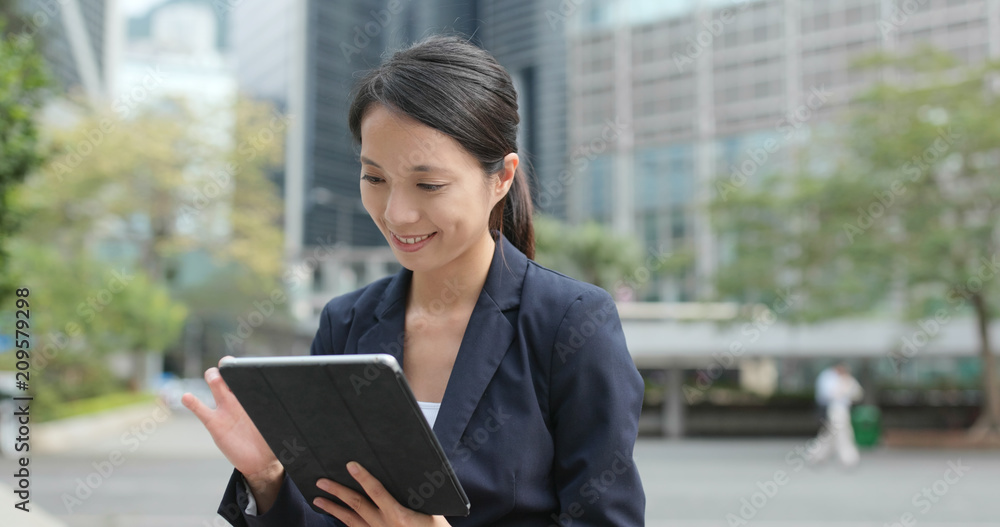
{"x":766,"y":187}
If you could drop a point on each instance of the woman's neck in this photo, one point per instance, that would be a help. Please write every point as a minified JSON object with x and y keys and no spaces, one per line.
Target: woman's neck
{"x":455,"y":285}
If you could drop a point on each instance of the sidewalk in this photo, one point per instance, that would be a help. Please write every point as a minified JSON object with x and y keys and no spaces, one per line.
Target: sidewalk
{"x":35,"y":517}
{"x":172,"y":475}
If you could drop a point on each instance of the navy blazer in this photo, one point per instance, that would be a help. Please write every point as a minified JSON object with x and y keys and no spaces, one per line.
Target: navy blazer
{"x":540,"y":414}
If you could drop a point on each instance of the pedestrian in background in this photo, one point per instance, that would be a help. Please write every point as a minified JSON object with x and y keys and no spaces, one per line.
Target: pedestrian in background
{"x":836,"y":390}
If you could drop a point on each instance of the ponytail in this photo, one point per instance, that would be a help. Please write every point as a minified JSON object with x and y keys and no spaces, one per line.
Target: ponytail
{"x":516,"y":211}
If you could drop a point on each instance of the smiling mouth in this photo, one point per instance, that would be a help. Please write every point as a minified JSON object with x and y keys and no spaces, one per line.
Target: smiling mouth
{"x":412,"y":240}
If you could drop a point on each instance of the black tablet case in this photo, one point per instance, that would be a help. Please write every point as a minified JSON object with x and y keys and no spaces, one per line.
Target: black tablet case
{"x":319,"y":412}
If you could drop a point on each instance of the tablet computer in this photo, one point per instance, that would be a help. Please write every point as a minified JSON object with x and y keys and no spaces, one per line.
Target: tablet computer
{"x":319,"y":412}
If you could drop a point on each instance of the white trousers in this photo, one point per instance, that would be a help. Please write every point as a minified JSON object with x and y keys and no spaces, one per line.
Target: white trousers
{"x":837,"y":435}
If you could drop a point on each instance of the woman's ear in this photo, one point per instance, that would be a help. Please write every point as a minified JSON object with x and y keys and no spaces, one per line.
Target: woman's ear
{"x":506,"y":179}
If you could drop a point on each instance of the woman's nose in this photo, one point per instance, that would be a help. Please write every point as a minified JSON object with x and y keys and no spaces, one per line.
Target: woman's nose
{"x":400,"y":209}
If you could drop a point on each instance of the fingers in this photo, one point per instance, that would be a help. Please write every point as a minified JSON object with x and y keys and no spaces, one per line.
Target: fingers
{"x":349,"y":517}
{"x":359,"y":504}
{"x":217,"y":384}
{"x":198,"y":408}
{"x":373,"y":487}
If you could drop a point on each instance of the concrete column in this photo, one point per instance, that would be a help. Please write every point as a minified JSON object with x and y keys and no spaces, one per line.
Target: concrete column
{"x":673,"y":404}
{"x":623,"y":186}
{"x":704,"y":162}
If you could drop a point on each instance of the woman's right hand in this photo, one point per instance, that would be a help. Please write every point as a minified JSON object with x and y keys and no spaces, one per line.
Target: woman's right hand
{"x":239,"y":440}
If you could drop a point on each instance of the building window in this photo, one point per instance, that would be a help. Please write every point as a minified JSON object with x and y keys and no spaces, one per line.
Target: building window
{"x":678,"y":224}
{"x":732,"y":39}
{"x":733,"y":93}
{"x":821,"y":22}
{"x":853,"y":16}
{"x":760,"y":33}
{"x":762,"y":89}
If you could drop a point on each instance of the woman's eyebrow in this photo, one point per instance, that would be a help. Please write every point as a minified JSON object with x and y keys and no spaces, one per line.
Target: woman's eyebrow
{"x":416,"y":168}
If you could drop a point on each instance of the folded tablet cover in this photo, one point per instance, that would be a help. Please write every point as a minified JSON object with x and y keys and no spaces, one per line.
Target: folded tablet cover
{"x":318,"y":413}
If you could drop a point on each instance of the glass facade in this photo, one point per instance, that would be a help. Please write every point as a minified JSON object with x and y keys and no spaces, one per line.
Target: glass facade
{"x":712,"y":89}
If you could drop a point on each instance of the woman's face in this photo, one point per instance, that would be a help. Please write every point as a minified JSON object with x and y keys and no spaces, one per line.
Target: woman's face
{"x":426,"y":193}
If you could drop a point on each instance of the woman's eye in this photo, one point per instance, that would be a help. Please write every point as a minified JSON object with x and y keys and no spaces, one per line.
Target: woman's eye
{"x":429,"y":187}
{"x":371,"y":179}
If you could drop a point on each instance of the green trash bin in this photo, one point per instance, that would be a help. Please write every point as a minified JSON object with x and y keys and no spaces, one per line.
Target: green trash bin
{"x":866,"y":419}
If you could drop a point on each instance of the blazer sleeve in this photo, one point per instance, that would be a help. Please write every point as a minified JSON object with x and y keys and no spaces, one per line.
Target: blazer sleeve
{"x":290,"y":507}
{"x":595,"y":399}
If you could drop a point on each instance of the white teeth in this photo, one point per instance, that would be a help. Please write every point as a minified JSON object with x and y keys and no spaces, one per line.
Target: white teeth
{"x":410,"y":241}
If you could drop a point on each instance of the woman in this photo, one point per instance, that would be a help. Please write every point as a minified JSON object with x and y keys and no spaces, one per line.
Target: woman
{"x":523,"y":372}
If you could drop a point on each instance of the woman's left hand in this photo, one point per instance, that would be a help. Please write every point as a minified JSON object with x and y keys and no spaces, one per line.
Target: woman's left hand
{"x":381,"y":511}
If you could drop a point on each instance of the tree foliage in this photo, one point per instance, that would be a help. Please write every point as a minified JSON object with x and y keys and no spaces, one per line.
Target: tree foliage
{"x":592,"y":253}
{"x":903,"y":219}
{"x":23,"y":80}
{"x":140,"y":197}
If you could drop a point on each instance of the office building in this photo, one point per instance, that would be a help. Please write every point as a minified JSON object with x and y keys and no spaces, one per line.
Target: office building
{"x":666,"y":96}
{"x":305,"y":56}
{"x":76,"y":42}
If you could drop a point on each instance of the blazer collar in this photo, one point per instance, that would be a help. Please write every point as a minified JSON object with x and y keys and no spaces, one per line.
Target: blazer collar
{"x":488,"y":336}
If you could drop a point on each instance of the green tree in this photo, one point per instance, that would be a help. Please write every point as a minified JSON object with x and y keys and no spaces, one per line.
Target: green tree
{"x":906,"y":211}
{"x":159,"y":185}
{"x":592,"y":253}
{"x":148,"y":191}
{"x":81,"y":310}
{"x":23,"y":80}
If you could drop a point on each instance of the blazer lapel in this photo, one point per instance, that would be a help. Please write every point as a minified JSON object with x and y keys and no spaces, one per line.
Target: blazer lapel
{"x":386,"y":334}
{"x":487,"y":338}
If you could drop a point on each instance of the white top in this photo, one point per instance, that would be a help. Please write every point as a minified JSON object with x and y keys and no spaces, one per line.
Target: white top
{"x":836,"y":389}
{"x":430,"y":411}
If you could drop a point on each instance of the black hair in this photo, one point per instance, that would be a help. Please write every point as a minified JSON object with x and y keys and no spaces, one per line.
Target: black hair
{"x":459,"y":89}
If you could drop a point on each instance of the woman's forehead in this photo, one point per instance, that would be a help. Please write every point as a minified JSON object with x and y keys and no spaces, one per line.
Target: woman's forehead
{"x":392,"y":141}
